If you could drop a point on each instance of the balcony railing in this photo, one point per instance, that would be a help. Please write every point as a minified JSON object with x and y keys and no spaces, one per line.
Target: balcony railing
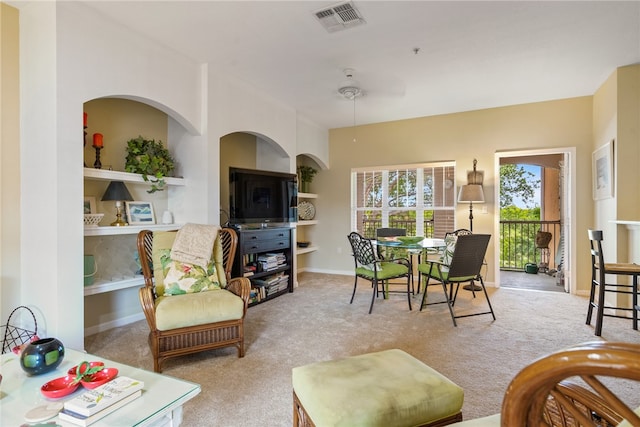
{"x":518,"y":244}
{"x":517,"y":239}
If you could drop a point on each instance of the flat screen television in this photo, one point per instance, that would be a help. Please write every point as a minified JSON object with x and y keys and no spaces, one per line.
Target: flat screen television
{"x":261,"y":197}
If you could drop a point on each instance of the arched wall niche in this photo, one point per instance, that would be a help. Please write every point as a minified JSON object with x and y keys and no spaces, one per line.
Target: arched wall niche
{"x":189,"y":127}
{"x":249,"y":150}
{"x":305,"y":158}
{"x":120,"y":118}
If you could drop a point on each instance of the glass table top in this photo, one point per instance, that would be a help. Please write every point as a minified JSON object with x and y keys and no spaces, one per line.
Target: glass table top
{"x":20,"y":393}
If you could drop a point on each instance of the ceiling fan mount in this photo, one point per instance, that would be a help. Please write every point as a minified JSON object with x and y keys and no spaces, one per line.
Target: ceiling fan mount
{"x":350,"y":92}
{"x":350,"y":89}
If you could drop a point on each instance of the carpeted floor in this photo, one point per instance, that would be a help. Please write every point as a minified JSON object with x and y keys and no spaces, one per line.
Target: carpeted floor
{"x":316,"y":322}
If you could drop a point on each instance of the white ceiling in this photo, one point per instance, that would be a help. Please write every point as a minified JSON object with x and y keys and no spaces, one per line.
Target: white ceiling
{"x":472,"y":54}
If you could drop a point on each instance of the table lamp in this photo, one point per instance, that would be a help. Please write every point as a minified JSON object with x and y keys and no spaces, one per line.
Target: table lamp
{"x":118,"y":192}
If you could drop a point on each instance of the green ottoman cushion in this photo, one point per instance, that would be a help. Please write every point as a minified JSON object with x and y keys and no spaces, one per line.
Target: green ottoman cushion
{"x":387,"y":388}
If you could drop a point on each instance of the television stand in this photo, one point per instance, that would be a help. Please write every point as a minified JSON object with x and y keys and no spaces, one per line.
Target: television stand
{"x":265,"y":257}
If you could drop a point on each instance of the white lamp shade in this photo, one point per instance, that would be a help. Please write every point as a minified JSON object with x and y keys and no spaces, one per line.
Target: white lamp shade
{"x":471,"y":193}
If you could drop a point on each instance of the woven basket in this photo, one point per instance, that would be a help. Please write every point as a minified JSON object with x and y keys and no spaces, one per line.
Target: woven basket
{"x":12,"y":335}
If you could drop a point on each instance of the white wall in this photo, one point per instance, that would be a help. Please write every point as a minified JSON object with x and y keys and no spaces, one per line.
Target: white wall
{"x":70,"y":55}
{"x":9,"y":162}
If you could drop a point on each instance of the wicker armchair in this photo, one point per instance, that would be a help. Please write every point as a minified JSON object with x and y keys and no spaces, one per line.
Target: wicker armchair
{"x":574,"y":387}
{"x":198,"y":337}
{"x":545,"y":392}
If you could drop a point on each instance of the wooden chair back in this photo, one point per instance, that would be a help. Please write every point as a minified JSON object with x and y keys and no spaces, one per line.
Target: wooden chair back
{"x":228,"y":239}
{"x":545,"y":392}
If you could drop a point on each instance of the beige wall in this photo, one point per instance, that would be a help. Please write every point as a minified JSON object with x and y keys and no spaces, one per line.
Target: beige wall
{"x":9,"y":161}
{"x":460,"y":137}
{"x":236,"y":150}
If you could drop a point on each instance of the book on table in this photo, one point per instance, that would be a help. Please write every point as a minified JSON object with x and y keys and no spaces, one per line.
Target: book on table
{"x":100,"y":398}
{"x":84,"y":420}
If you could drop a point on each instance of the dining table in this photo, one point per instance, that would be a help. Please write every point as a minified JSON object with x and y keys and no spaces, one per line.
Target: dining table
{"x":415,"y":249}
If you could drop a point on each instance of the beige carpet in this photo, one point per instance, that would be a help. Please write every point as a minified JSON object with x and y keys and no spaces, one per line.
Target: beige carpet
{"x":317,"y":323}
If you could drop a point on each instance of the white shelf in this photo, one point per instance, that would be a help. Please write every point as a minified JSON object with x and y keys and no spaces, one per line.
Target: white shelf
{"x":303,"y":223}
{"x":129,"y":229}
{"x":104,"y":286}
{"x":107,"y":175}
{"x":300,"y":251}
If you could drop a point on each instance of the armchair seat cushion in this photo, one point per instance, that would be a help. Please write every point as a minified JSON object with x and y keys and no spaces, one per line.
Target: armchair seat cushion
{"x":181,"y":311}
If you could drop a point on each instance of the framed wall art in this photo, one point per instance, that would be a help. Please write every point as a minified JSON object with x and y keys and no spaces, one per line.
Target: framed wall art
{"x":140,"y":213}
{"x":90,"y":205}
{"x":602,"y":171}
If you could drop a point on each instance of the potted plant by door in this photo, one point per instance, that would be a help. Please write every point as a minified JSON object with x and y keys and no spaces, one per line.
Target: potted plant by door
{"x":305,"y":175}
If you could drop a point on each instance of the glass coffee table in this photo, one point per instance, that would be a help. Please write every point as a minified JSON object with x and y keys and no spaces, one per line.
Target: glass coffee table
{"x":160,"y":404}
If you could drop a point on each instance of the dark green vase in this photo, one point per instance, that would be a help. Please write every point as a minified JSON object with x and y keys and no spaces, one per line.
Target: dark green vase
{"x":42,"y":356}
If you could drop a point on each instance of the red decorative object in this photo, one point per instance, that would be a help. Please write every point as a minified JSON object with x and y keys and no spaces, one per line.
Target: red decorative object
{"x":99,"y":378}
{"x":59,"y":387}
{"x":97,"y":140}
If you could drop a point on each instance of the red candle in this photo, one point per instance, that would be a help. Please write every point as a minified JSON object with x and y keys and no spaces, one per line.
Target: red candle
{"x":84,"y":121}
{"x":97,"y":140}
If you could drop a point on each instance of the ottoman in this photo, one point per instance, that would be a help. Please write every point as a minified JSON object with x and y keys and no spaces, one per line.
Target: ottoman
{"x":387,"y":388}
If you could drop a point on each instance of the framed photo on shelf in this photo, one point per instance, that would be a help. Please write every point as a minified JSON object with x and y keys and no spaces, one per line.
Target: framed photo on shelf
{"x":140,"y":213}
{"x":90,"y":205}
{"x":602,"y":171}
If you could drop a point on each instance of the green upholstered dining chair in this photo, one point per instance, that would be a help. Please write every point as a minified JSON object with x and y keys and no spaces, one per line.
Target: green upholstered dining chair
{"x":390,"y":253}
{"x":379,"y":272}
{"x":463,"y":266}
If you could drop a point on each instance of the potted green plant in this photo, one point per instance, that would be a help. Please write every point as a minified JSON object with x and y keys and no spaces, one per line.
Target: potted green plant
{"x":151,"y":159}
{"x":306,"y":174}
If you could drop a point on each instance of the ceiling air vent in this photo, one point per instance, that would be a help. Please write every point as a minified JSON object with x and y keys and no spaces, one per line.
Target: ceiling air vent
{"x":339,"y":17}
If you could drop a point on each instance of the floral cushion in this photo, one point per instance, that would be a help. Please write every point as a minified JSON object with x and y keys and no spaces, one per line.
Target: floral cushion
{"x":183,"y":278}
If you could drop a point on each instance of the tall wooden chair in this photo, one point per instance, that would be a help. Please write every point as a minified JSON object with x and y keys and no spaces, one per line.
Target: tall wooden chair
{"x":176,"y":329}
{"x":599,"y":285}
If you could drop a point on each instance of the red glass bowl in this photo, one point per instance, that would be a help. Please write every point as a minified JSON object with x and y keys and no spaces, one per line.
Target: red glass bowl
{"x":99,"y":378}
{"x":59,"y":387}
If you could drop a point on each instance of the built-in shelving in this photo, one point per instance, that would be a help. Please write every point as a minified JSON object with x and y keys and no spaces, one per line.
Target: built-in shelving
{"x":106,"y":285}
{"x":129,"y":229}
{"x":307,"y":196}
{"x":109,"y":286}
{"x":305,"y":223}
{"x":110,"y":175}
{"x":300,"y":251}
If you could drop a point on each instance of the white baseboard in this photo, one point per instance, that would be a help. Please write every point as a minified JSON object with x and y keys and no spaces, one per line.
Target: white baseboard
{"x":122,"y":321}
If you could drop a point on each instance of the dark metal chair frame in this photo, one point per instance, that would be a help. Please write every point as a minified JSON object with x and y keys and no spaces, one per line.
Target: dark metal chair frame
{"x":598,"y":282}
{"x":467,"y":261}
{"x":364,"y":255}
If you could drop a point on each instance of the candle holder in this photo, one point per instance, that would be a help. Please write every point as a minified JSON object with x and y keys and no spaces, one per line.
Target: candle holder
{"x":97,"y":164}
{"x":84,"y":145}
